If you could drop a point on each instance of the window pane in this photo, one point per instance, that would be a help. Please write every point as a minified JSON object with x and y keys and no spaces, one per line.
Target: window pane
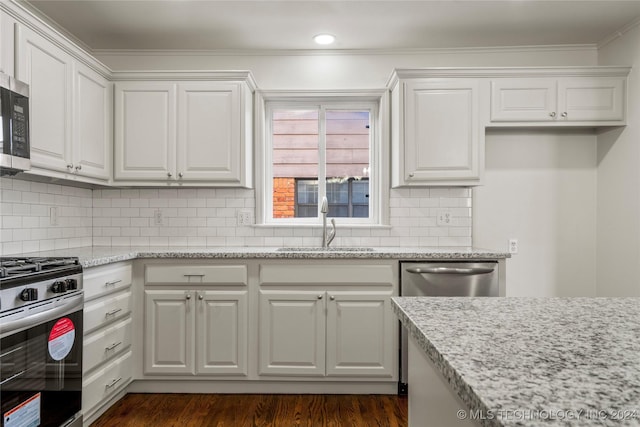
{"x":337,"y":192}
{"x":338,"y":211}
{"x":295,"y":155}
{"x":360,"y":211}
{"x":360,"y":192}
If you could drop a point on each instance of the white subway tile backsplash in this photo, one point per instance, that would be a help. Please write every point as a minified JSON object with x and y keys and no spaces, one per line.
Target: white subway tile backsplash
{"x":205,"y":217}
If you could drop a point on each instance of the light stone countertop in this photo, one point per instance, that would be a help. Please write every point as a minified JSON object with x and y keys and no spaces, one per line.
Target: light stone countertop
{"x":92,"y":256}
{"x":534,"y":361}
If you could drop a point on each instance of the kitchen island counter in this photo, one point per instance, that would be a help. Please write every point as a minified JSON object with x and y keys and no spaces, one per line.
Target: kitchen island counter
{"x":532,"y":361}
{"x":92,"y":256}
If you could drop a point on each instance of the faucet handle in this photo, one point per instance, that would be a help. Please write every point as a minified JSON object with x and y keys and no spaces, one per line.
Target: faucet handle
{"x":325,"y":206}
{"x":332,"y":233}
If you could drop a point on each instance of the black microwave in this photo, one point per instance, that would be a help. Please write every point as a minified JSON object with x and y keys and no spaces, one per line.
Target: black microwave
{"x":15,"y":152}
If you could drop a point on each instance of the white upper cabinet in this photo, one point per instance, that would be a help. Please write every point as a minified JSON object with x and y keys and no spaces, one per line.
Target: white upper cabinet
{"x":47,"y":69}
{"x":92,"y":123}
{"x":70,"y":111}
{"x":145,"y":139}
{"x":184,"y":132}
{"x":436,"y":133}
{"x":597,"y":98}
{"x":209,"y":132}
{"x":7,"y":44}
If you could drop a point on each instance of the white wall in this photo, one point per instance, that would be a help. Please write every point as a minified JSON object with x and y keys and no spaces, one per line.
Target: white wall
{"x":540,"y":187}
{"x":618,"y":266}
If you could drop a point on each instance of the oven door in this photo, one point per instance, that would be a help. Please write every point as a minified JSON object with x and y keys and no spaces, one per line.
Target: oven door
{"x":41,"y":368}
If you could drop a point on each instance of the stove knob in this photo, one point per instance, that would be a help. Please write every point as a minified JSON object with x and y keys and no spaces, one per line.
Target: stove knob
{"x":29,"y":294}
{"x":59,"y":287}
{"x":72,"y":284}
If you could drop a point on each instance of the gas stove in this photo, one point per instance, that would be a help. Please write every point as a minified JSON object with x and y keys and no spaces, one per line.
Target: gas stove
{"x":30,"y":280}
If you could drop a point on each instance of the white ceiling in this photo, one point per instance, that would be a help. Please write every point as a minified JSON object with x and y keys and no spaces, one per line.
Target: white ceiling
{"x":357,"y":24}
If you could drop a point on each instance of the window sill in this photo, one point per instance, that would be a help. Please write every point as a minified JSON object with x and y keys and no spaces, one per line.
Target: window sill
{"x":319,"y":226}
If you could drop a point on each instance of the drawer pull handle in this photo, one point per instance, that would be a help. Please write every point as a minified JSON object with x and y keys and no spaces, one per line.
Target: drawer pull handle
{"x":113,"y":282}
{"x":112,"y":346}
{"x":12,"y":377}
{"x":113,"y":382}
{"x":194,"y":274}
{"x":112,"y":312}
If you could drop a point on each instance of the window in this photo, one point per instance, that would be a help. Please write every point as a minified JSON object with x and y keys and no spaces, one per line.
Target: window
{"x":347,"y":198}
{"x":321,"y":147}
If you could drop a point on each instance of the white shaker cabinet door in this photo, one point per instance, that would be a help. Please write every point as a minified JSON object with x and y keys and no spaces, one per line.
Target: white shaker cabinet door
{"x":524,"y":99}
{"x":92,"y":141}
{"x":47,"y":70}
{"x":442,"y":135}
{"x":222,"y":329}
{"x":145,"y":137}
{"x":360,"y":334}
{"x":591,"y":98}
{"x":292,"y":333}
{"x":169,"y":332}
{"x":209,"y":132}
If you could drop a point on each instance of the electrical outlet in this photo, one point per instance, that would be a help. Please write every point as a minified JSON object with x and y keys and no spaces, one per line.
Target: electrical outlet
{"x":53,"y":215}
{"x":244,"y":217}
{"x":444,"y":218}
{"x":157,"y":217}
{"x":513,"y":246}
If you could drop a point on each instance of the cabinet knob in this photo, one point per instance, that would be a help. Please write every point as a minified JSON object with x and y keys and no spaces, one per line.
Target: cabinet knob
{"x":188,"y":296}
{"x":332,"y":298}
{"x":169,"y":174}
{"x":411,"y":175}
{"x":552,"y":114}
{"x":78,"y":167}
{"x":564,"y":114}
{"x":200,"y":297}
{"x":180,"y":174}
{"x":320,"y":296}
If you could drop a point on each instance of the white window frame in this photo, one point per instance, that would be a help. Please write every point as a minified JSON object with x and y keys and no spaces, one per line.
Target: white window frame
{"x":376,"y":101}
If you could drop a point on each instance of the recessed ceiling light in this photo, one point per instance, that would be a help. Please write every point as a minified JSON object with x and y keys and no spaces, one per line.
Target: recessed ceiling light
{"x":324,"y":38}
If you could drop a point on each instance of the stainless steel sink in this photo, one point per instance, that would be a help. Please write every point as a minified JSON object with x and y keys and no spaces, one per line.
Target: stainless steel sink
{"x":329,"y":249}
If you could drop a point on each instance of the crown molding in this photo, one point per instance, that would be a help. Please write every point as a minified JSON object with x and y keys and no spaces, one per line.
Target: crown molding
{"x":619,"y":33}
{"x":336,"y":52}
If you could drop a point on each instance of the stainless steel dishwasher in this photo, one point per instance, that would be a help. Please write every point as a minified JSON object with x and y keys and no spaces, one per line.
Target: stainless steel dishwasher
{"x":444,"y":279}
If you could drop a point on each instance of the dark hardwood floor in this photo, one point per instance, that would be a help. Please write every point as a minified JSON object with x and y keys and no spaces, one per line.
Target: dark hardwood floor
{"x":163,"y":410}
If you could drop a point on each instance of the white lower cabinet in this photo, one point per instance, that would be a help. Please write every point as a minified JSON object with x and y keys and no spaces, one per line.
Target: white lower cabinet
{"x":327,"y":321}
{"x":106,"y":362}
{"x":196,"y":331}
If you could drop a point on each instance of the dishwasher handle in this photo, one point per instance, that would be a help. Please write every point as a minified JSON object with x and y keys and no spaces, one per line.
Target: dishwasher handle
{"x":450,"y":270}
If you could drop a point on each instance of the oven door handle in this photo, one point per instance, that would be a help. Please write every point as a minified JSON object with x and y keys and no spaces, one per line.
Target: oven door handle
{"x":68,"y":305}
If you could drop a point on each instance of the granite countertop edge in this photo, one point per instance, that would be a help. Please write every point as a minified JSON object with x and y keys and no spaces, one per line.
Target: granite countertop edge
{"x":459,"y":386}
{"x":93,"y":256}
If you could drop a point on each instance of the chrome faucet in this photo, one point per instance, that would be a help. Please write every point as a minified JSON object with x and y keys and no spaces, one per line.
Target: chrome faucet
{"x":327,"y":238}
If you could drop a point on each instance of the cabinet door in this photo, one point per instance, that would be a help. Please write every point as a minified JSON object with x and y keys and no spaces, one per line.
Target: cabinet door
{"x":292,"y":333}
{"x":441,"y":130}
{"x":209,"y":124}
{"x":591,"y":98}
{"x":92,"y":140}
{"x":144,"y":131}
{"x":47,"y":70}
{"x":524,"y":100}
{"x":222,"y":324}
{"x":169,"y":332}
{"x":7,"y":44}
{"x":361,"y":334}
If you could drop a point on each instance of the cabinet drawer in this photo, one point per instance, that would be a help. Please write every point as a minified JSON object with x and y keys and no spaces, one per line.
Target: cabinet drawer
{"x":106,"y":381}
{"x":314,"y":274}
{"x":102,"y":280}
{"x":106,"y":344}
{"x":199,"y":274}
{"x":105,"y":310}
